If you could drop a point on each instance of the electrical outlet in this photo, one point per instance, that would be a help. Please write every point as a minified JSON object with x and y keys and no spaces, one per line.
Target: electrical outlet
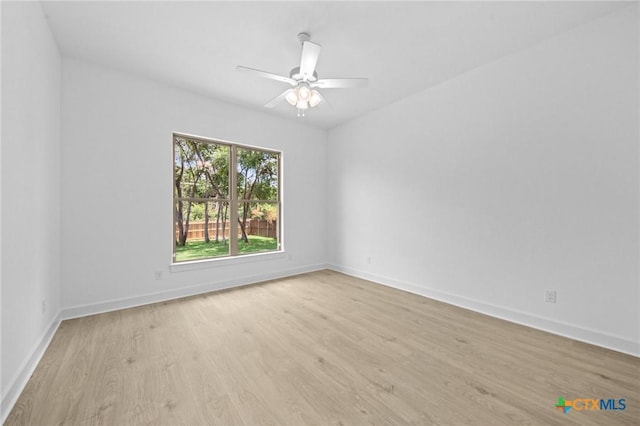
{"x":44,"y":306}
{"x":550,"y":296}
{"x":158,"y":275}
{"x":368,"y":260}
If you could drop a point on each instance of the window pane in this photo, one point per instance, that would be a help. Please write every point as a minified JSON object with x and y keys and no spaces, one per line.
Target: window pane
{"x":257,"y":227}
{"x":257,"y":175}
{"x":201,"y":230}
{"x":201,"y":169}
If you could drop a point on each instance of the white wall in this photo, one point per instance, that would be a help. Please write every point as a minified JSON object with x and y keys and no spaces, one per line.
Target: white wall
{"x":519,"y":176}
{"x":31,"y":82}
{"x":117,"y":188}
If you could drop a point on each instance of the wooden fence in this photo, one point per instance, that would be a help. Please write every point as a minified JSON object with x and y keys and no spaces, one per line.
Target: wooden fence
{"x":259,"y":227}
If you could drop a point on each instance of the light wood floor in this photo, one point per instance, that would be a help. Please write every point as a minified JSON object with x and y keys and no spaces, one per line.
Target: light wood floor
{"x":319,"y":348}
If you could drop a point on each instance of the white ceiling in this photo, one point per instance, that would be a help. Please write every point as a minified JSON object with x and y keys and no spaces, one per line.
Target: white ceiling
{"x":402,"y":47}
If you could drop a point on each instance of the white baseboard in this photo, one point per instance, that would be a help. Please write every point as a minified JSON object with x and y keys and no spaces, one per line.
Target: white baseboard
{"x":145,"y":299}
{"x":20,"y":379}
{"x":571,"y":331}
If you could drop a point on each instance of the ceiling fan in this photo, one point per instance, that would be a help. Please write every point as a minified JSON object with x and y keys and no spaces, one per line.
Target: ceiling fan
{"x":304,"y":79}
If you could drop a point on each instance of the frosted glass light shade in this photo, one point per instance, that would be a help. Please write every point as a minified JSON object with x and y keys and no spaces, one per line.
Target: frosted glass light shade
{"x":292,"y":97}
{"x":315,"y":98}
{"x":304,"y":93}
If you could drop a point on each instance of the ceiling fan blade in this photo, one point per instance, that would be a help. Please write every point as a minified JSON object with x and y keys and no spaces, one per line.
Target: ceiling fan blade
{"x":267,"y":75}
{"x":310,"y":53}
{"x":275,"y":101}
{"x":339,"y":83}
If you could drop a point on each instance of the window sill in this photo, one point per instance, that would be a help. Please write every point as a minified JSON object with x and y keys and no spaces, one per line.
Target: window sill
{"x":225,"y":261}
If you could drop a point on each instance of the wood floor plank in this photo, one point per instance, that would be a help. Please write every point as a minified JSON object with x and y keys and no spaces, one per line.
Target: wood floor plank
{"x":318,"y":349}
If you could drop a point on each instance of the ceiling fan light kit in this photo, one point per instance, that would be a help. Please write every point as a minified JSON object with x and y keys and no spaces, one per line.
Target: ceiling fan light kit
{"x":304,"y":79}
{"x":303,"y":97}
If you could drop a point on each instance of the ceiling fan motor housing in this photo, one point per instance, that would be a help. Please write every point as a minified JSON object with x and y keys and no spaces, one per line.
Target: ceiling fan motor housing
{"x":295,"y":75}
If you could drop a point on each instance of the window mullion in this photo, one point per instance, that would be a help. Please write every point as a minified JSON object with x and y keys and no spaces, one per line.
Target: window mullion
{"x":233,"y":217}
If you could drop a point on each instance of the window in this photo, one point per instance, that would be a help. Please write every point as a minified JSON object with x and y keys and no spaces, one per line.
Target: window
{"x":226,"y":199}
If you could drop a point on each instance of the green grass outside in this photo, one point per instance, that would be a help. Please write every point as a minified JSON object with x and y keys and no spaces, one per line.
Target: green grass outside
{"x":199,"y":249}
